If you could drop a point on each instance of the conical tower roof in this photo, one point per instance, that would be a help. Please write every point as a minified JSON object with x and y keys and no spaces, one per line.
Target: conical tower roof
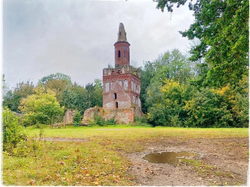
{"x":122,"y":34}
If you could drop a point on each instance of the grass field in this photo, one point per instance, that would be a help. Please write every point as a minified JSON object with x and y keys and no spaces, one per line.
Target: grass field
{"x":100,"y":160}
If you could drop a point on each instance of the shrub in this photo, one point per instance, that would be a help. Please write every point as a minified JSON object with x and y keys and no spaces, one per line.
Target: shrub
{"x":28,"y":148}
{"x":110,"y":121}
{"x":98,"y":119}
{"x":141,"y":121}
{"x":77,"y":119}
{"x":40,"y":108}
{"x":208,"y":109}
{"x":12,"y":131}
{"x":175,"y":121}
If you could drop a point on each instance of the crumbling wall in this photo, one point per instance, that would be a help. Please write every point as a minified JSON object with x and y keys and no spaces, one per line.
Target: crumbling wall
{"x":124,"y":116}
{"x":69,"y":116}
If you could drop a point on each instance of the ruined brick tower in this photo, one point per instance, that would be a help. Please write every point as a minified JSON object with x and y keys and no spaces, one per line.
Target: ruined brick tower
{"x":121,"y":85}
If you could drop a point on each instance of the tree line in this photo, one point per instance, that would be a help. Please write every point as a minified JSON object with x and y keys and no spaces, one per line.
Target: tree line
{"x":46,"y":102}
{"x":171,"y":97}
{"x":207,"y":89}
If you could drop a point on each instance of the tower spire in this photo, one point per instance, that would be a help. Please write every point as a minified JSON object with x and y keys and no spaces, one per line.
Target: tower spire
{"x":122,"y":33}
{"x":122,"y":48}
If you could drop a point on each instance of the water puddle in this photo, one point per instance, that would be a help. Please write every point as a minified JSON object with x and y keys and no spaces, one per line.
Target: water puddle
{"x":169,"y":157}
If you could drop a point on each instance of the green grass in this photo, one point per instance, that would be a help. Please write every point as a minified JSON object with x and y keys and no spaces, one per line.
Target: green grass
{"x":140,"y":132}
{"x":100,"y":160}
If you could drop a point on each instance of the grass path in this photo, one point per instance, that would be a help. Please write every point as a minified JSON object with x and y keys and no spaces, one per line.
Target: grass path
{"x":99,"y":161}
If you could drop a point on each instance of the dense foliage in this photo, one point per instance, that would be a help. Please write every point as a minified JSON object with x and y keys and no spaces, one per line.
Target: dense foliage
{"x":223,"y":30}
{"x":171,"y":65}
{"x":171,"y":100}
{"x":12,"y":131}
{"x":12,"y":98}
{"x":58,"y":90}
{"x":40,"y":108}
{"x":77,"y":119}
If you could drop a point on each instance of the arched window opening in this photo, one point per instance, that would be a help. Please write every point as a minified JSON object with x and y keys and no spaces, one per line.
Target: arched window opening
{"x":116,"y":104}
{"x":115,"y":95}
{"x":119,"y":54}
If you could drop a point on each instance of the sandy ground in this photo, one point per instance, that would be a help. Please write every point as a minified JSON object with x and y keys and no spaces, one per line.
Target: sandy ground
{"x":229,"y":158}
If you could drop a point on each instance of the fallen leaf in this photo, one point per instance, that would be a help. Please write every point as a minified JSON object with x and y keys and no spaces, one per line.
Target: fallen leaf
{"x":85,"y":171}
{"x":68,"y":180}
{"x":102,"y":173}
{"x":61,"y":163}
{"x":31,"y":182}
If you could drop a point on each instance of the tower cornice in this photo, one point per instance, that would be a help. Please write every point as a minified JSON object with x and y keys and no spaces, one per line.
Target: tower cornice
{"x":121,"y":42}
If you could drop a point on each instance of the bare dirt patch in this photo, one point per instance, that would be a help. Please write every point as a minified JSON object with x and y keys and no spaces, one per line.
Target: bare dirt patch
{"x":220,"y":162}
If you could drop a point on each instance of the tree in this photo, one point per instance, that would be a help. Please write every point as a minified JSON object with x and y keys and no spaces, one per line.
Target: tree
{"x":74,"y":97}
{"x":146,"y":73}
{"x":40,"y":107}
{"x":12,"y":98}
{"x":57,"y":76}
{"x":222,"y":27}
{"x":208,"y":108}
{"x":166,"y":102}
{"x":156,"y":104}
{"x":172,"y":65}
{"x":94,"y":93}
{"x":12,"y":131}
{"x":98,"y":92}
{"x":57,"y":83}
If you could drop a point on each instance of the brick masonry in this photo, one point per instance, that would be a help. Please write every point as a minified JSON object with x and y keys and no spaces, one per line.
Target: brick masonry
{"x":69,"y":116}
{"x":121,"y":86}
{"x":122,"y":116}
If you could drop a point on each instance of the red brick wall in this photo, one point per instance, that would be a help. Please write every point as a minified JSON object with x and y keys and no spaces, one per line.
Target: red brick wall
{"x":124,"y":58}
{"x":125,"y":97}
{"x":121,"y":115}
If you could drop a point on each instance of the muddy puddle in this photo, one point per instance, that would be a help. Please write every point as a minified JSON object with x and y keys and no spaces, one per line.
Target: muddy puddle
{"x":169,"y":157}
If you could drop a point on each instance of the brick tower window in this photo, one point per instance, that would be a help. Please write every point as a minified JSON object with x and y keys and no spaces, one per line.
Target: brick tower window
{"x":126,"y":85}
{"x":119,"y":54}
{"x":116,"y":104}
{"x":115,"y":95}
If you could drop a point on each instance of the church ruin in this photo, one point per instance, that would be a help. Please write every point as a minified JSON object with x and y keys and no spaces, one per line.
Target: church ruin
{"x":121,"y":86}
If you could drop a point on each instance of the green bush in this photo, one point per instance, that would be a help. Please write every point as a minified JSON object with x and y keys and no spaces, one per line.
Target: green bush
{"x":12,"y":131}
{"x":77,"y":119}
{"x":141,"y":121}
{"x":208,"y":109}
{"x":110,"y":121}
{"x":175,"y":121}
{"x":98,"y":119}
{"x":28,"y":148}
{"x":40,"y":107}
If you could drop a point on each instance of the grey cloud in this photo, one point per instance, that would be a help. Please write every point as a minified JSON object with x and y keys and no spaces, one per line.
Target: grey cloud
{"x":77,"y":37}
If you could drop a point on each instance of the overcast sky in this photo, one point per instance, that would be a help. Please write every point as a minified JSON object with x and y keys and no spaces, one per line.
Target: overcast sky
{"x":75,"y":37}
